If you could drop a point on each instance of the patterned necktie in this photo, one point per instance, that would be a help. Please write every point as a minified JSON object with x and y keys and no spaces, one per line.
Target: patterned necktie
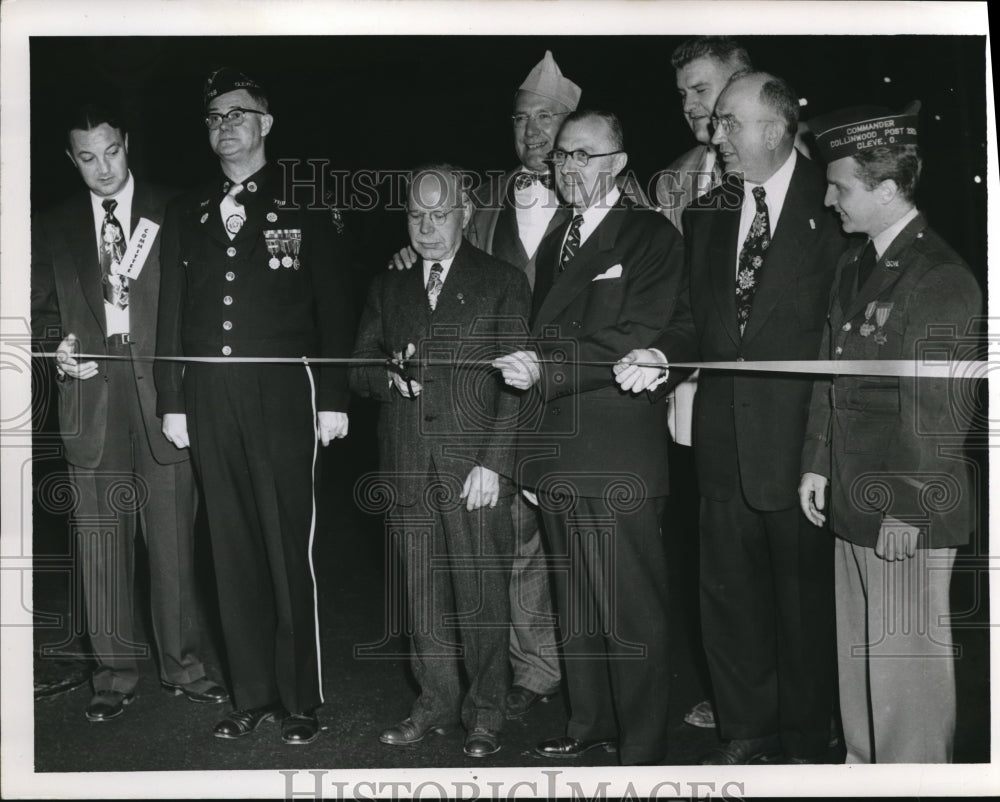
{"x":867,"y":264}
{"x":752,"y":259}
{"x":572,"y":243}
{"x":434,"y":285}
{"x":112,"y":250}
{"x":234,"y":215}
{"x":524,"y":180}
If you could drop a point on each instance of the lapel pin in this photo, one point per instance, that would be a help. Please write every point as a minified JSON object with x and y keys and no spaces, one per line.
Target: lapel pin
{"x":252,"y":186}
{"x":272,"y":217}
{"x":812,"y":224}
{"x":204,"y":217}
{"x":461,"y":298}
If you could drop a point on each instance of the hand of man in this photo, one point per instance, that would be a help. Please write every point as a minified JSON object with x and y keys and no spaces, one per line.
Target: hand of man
{"x":404,"y":260}
{"x":631,"y":373}
{"x":812,"y":491}
{"x":66,"y":362}
{"x":175,"y":429}
{"x":482,"y":488}
{"x":896,"y":540}
{"x":519,"y":369}
{"x":332,"y":426}
{"x":400,"y":383}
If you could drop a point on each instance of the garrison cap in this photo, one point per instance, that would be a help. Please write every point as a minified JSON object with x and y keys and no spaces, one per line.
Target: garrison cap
{"x":848,"y":132}
{"x":229,"y":79}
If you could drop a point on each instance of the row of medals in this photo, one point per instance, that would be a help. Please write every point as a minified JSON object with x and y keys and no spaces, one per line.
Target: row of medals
{"x":283,"y":244}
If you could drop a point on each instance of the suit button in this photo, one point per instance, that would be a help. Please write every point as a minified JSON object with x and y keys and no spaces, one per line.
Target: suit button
{"x":846,"y":326}
{"x":228,"y":300}
{"x":230,"y":251}
{"x":558,"y":378}
{"x":226,"y":350}
{"x":576,"y":324}
{"x":740,"y":359}
{"x":227,"y":325}
{"x":838,"y":350}
{"x":230,"y":276}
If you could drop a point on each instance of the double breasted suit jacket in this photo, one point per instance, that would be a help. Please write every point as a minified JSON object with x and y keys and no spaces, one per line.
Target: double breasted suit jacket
{"x":748,"y":427}
{"x":493,"y":227}
{"x":66,"y":296}
{"x":877,"y":438}
{"x":465,"y":415}
{"x":617,"y":293}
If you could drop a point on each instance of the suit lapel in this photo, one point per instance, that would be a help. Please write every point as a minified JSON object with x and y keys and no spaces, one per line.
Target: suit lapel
{"x":455,"y":290}
{"x":723,"y":232}
{"x":144,"y":290}
{"x":82,"y":241}
{"x":784,"y":254}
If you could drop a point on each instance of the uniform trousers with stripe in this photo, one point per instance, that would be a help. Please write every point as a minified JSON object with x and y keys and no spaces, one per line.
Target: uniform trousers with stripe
{"x":129,"y":484}
{"x":253,"y":440}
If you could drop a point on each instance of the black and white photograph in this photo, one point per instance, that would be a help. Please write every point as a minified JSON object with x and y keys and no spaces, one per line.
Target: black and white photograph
{"x":493,"y":400}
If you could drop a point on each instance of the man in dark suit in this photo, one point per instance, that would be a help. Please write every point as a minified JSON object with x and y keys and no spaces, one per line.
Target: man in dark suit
{"x":248,"y":272}
{"x":759,"y":259}
{"x":511,"y":216}
{"x":888,"y":447}
{"x":607,"y":280}
{"x":450,"y":427}
{"x":95,"y":287}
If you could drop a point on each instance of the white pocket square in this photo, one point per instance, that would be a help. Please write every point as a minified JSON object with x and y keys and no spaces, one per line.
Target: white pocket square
{"x":612,"y":272}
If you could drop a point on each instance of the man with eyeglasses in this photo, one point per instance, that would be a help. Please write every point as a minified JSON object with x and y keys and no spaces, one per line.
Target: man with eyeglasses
{"x":446,"y":434}
{"x":248,"y":273}
{"x":760,"y":255}
{"x":596,"y":462}
{"x":95,"y":278}
{"x":511,"y":217}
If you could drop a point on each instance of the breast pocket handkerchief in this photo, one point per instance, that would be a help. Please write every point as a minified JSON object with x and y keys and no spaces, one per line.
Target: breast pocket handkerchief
{"x":612,"y":272}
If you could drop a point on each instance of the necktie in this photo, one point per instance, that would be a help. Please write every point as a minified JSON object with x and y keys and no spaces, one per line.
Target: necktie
{"x":866,"y":264}
{"x":112,"y":250}
{"x":234,"y":214}
{"x":434,"y":285}
{"x":752,"y":259}
{"x":572,"y":243}
{"x":524,"y":180}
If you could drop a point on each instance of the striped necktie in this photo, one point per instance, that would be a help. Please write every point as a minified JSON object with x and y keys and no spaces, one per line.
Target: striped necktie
{"x":572,"y":243}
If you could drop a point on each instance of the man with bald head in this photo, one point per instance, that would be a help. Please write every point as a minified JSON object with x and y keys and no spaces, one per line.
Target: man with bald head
{"x":449,"y":426}
{"x":760,"y":251}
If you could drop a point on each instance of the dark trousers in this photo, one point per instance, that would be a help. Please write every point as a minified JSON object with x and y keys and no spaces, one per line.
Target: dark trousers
{"x":253,"y":439}
{"x":767,"y":610}
{"x":610,"y":573}
{"x":129,"y":484}
{"x":457,"y":566}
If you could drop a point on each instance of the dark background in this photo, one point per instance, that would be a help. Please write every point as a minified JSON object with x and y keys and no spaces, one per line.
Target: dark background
{"x":390,"y":102}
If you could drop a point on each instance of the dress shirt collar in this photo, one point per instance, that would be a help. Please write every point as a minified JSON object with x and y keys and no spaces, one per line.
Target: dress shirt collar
{"x":775,"y":189}
{"x":124,"y":208}
{"x":883,"y":240}
{"x":593,"y":216}
{"x":445,"y":267}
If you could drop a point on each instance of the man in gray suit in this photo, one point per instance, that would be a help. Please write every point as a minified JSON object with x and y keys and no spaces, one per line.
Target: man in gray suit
{"x":446,"y":436}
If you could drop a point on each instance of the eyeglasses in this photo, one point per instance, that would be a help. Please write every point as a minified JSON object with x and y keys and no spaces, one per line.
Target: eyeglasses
{"x":542,"y":118}
{"x":437,"y":217}
{"x":579,"y":157}
{"x":233,"y":117}
{"x":730,"y":124}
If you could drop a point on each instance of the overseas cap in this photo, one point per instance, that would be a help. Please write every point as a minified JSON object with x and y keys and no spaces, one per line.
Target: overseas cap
{"x":228,"y":79}
{"x":850,"y":131}
{"x":546,"y":80}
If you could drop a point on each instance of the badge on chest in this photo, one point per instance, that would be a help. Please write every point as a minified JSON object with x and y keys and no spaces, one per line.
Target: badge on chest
{"x":283,"y":245}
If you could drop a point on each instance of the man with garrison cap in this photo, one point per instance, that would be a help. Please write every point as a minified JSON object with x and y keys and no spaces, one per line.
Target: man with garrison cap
{"x":760,"y":252}
{"x":248,"y":273}
{"x":888,"y":448}
{"x":513,"y":213}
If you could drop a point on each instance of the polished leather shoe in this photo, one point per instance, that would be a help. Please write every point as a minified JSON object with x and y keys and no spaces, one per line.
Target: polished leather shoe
{"x":243,"y":722}
{"x":107,"y":705}
{"x":566,"y":747}
{"x":299,"y":728}
{"x":409,"y":732}
{"x":482,"y":742}
{"x":203,"y":691}
{"x":520,"y":700}
{"x":741,"y":751}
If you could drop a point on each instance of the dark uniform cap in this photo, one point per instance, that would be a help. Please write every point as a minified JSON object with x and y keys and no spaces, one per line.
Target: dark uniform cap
{"x":228,"y":79}
{"x":850,"y":131}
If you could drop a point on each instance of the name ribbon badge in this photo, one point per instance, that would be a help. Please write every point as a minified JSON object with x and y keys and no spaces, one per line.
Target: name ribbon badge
{"x":138,"y":248}
{"x":283,"y":244}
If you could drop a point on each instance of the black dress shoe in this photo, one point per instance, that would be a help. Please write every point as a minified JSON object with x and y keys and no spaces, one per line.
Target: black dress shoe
{"x":520,"y":700}
{"x":482,"y":742}
{"x":107,"y":705}
{"x":243,"y":722}
{"x":299,"y":728}
{"x":409,"y":732}
{"x":203,"y":691}
{"x":741,"y":751}
{"x":566,"y":747}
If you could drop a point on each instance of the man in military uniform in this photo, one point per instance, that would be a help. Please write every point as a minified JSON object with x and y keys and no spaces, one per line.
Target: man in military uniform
{"x":901,"y":497}
{"x":248,"y":273}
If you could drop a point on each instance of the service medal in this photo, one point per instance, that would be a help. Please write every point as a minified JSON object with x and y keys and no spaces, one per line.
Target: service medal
{"x":273,"y":248}
{"x":881,"y":316}
{"x":295,"y":243}
{"x":867,"y":328}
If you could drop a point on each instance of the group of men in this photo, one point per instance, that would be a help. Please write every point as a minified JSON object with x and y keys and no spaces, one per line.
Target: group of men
{"x":521,"y":358}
